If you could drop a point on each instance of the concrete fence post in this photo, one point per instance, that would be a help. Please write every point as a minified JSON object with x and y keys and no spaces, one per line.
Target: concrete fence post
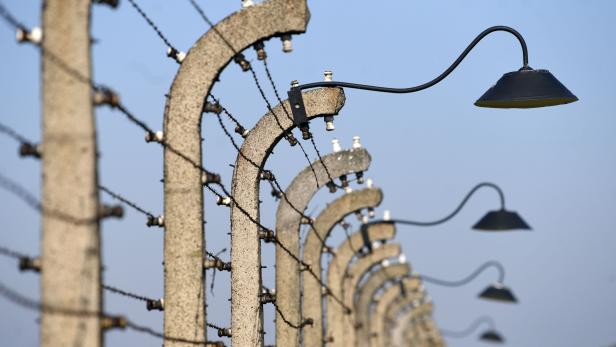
{"x":288,"y":221}
{"x":184,"y":215}
{"x":70,"y":249}
{"x":245,"y":242}
{"x":390,"y":296}
{"x":343,"y":332}
{"x":312,"y":299}
{"x":365,"y":298}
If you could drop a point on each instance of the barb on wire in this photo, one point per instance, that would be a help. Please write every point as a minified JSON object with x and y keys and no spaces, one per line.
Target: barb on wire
{"x":126,"y":294}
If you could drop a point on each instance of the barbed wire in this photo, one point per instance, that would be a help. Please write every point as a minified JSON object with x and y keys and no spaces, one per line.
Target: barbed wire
{"x":152,"y":25}
{"x":305,"y":322}
{"x":126,"y":293}
{"x":125,"y":201}
{"x":5,"y":129}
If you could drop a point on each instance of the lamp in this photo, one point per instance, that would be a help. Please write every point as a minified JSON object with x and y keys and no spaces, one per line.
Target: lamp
{"x":490,"y":335}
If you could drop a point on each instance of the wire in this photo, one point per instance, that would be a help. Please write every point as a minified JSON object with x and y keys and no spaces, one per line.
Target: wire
{"x":125,"y":201}
{"x":307,"y":321}
{"x":470,"y":277}
{"x":152,"y":25}
{"x":471,"y":329}
{"x":12,"y":254}
{"x":5,"y":129}
{"x":126,"y":294}
{"x":8,"y":17}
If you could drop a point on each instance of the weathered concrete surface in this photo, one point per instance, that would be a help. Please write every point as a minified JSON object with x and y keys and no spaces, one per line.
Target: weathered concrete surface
{"x":343,"y":332}
{"x":365,"y":298}
{"x":312,"y":299}
{"x":339,"y":264}
{"x":184,"y":237}
{"x":384,"y":302}
{"x":407,"y":330}
{"x":245,"y":242}
{"x":288,"y":220}
{"x":70,"y":250}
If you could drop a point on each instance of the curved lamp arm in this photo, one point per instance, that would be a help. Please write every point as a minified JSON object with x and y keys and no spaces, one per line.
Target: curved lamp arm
{"x":467,"y":279}
{"x":471,"y":329}
{"x":434,"y":81}
{"x":457,"y":209}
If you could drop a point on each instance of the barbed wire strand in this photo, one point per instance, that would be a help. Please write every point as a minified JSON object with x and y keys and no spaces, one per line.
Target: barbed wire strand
{"x":152,"y":24}
{"x":125,"y":201}
{"x":5,"y":129}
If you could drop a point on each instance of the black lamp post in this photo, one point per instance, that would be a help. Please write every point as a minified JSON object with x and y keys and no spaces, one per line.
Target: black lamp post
{"x":525,"y":88}
{"x":490,"y":335}
{"x":497,"y":291}
{"x":496,"y":220}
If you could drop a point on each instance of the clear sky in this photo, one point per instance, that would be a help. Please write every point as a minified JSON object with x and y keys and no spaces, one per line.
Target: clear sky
{"x":556,"y":165}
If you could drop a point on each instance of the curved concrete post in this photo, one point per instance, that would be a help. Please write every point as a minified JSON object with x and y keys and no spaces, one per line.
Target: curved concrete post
{"x":312,"y":299}
{"x":343,"y":331}
{"x":299,"y":193}
{"x":245,"y":242}
{"x":365,"y":298}
{"x":407,"y":330}
{"x":402,"y":333}
{"x":390,"y":317}
{"x":184,"y":237}
{"x":337,"y":267}
{"x":385,"y":301}
{"x":70,"y":247}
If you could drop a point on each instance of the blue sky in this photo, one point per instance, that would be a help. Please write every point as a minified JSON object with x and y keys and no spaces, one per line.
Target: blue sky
{"x":556,"y":165}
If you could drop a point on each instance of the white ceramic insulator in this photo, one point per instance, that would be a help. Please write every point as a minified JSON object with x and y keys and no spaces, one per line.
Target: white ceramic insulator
{"x":402,"y":258}
{"x":386,"y":215}
{"x":329,"y":126}
{"x":348,"y":190}
{"x":180,"y":56}
{"x":35,"y":35}
{"x":364,"y":219}
{"x":287,"y":45}
{"x":247,"y":3}
{"x":376,"y":244}
{"x":162,"y":302}
{"x":336,"y":145}
{"x":371,"y":213}
{"x":356,"y":143}
{"x":385,"y":263}
{"x":369,"y":183}
{"x":160,"y":220}
{"x":328,"y":76}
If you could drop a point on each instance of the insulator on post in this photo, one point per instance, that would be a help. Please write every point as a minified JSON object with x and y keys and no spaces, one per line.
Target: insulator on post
{"x":359,"y":176}
{"x":155,"y":305}
{"x":336,"y":145}
{"x":369,"y":183}
{"x":329,"y":339}
{"x":154,"y":136}
{"x":212,"y":107}
{"x":329,"y":123}
{"x":287,"y":44}
{"x":156,"y":221}
{"x":260,"y":48}
{"x":105,"y":96}
{"x":276,"y":193}
{"x":328,"y":76}
{"x":307,"y":321}
{"x":247,"y":3}
{"x":331,"y":186}
{"x":111,"y":3}
{"x":306,"y":220}
{"x":210,"y":178}
{"x":108,"y":211}
{"x":402,"y":258}
{"x":359,"y":215}
{"x":267,"y":175}
{"x":371,"y":213}
{"x":113,"y":322}
{"x":330,"y":250}
{"x":223,"y":201}
{"x":376,"y":244}
{"x":224,"y":332}
{"x":386,"y":215}
{"x":30,"y":264}
{"x":216,"y":264}
{"x":348,"y":190}
{"x":344,"y":181}
{"x":364,"y":219}
{"x":294,"y":83}
{"x":356,"y":143}
{"x":324,"y":291}
{"x":30,"y":150}
{"x":35,"y":35}
{"x":345,"y":225}
{"x":241,"y":130}
{"x":291,"y":139}
{"x":176,"y":55}
{"x":242,"y":62}
{"x":305,"y":129}
{"x":267,"y":296}
{"x":385,"y":263}
{"x":267,"y":235}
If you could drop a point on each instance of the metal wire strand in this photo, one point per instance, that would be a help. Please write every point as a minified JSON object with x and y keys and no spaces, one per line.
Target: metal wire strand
{"x":125,"y":201}
{"x":126,"y":293}
{"x":300,"y":326}
{"x":9,"y":18}
{"x":5,"y":129}
{"x":152,"y":25}
{"x":12,"y":254}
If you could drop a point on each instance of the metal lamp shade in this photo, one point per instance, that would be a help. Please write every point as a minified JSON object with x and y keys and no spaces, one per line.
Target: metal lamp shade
{"x":498,"y":292}
{"x":526,"y":88}
{"x":501,"y":220}
{"x":492,"y":336}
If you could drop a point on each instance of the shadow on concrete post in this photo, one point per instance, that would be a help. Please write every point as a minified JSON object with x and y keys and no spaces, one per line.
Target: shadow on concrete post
{"x":365,"y":297}
{"x":70,"y":250}
{"x":312,"y":296}
{"x":388,"y":302}
{"x":245,"y":243}
{"x":337,"y":268}
{"x":184,"y":215}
